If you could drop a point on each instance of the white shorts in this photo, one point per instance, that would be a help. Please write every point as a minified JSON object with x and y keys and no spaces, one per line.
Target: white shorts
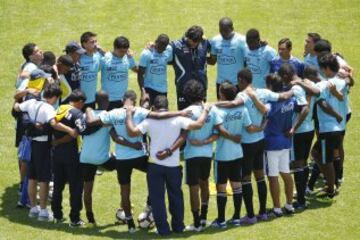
{"x":277,"y":161}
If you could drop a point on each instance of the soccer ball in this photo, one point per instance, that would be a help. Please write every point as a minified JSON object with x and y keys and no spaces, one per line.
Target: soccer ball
{"x":146,"y":220}
{"x":120,"y":216}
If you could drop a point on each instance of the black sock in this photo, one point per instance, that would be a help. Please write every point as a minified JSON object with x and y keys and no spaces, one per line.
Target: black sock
{"x":196,"y":218}
{"x":148,"y":203}
{"x":248,"y":198}
{"x":221,"y":204}
{"x":337,"y":170}
{"x":130,"y":222}
{"x":299,"y":177}
{"x":306,"y":174}
{"x":262,"y":193}
{"x":204,"y":211}
{"x":314,"y":176}
{"x":237,"y":198}
{"x":90,"y":217}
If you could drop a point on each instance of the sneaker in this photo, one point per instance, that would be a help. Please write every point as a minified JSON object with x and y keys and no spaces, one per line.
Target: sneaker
{"x":59,"y":220}
{"x":44,"y":215}
{"x":34,"y":212}
{"x":289,"y":209}
{"x":262,"y":217}
{"x":192,"y":228}
{"x":276,"y":213}
{"x":79,"y":223}
{"x":203,"y":223}
{"x":299,"y":206}
{"x":234,"y":222}
{"x":218,"y":224}
{"x":309,"y":191}
{"x":248,"y":220}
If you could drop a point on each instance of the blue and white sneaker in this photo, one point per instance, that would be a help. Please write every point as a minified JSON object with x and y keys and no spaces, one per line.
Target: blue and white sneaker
{"x":234,"y":222}
{"x":218,"y":224}
{"x":34,"y":212}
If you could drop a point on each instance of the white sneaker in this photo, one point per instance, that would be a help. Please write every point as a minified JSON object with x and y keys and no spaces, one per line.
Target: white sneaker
{"x":308,"y":191}
{"x":192,"y":228}
{"x":44,"y":215}
{"x":289,"y":209}
{"x":34,"y":212}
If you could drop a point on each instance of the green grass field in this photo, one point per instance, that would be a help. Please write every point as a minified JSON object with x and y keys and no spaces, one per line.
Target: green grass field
{"x":51,"y":24}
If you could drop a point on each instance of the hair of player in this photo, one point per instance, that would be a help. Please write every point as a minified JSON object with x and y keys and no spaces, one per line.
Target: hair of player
{"x":253,"y":34}
{"x":228,"y":90}
{"x":245,"y":75}
{"x":129,"y":94}
{"x":28,"y":50}
{"x":286,"y":72}
{"x":194,"y":91}
{"x":274,"y":82}
{"x":329,"y":61}
{"x":121,"y":42}
{"x":287,"y":42}
{"x":310,"y":72}
{"x":101,"y":99}
{"x":161,"y":102}
{"x":226,"y":22}
{"x":322,"y":46}
{"x":77,"y":96}
{"x":162,"y":40}
{"x":314,"y":36}
{"x":86,"y":36}
{"x":49,"y":69}
{"x":195,"y":33}
{"x":52,"y":90}
{"x":65,"y":60}
{"x":49,"y":58}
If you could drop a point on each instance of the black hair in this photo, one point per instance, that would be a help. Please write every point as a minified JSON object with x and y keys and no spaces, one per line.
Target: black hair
{"x":287,"y":42}
{"x":28,"y":50}
{"x":245,"y":75}
{"x":102,"y":99}
{"x":161,"y":102}
{"x":226,"y":22}
{"x":52,"y":90}
{"x":66,"y":60}
{"x":286,"y":71}
{"x":310,"y":72}
{"x":86,"y":36}
{"x":162,"y":40}
{"x":228,"y":90}
{"x":77,"y":96}
{"x":195,"y":33}
{"x":194,"y":91}
{"x":121,"y":42}
{"x":322,"y":46}
{"x":49,"y":69}
{"x":329,"y":61}
{"x":253,"y":34}
{"x":129,"y":94}
{"x":49,"y":58}
{"x":314,"y":36}
{"x":275,"y":82}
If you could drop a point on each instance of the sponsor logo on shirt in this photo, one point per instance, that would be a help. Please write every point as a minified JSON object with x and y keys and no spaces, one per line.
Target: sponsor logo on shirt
{"x":287,"y":107}
{"x":233,"y":116}
{"x":158,"y":70}
{"x":226,"y":60}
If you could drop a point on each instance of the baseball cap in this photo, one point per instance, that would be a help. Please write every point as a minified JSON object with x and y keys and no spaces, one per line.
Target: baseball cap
{"x":38,"y":73}
{"x":74,"y":47}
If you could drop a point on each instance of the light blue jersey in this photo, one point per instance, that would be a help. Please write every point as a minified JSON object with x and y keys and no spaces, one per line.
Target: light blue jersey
{"x":258,"y":61}
{"x":115,"y":75}
{"x":299,"y":95}
{"x":230,"y":55}
{"x":203,"y":133}
{"x":89,"y":68}
{"x":95,"y":147}
{"x":328,"y":123}
{"x":155,"y":65}
{"x":117,"y":118}
{"x":307,"y":125}
{"x":234,"y":120}
{"x":264,"y":95}
{"x":310,"y":60}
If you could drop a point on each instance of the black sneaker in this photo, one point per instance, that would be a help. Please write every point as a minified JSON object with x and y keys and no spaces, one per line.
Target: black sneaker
{"x":299,"y":206}
{"x":59,"y":220}
{"x":131,"y":225}
{"x":77,"y":224}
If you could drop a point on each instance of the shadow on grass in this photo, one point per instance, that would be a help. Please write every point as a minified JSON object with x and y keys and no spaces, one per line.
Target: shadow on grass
{"x":15,"y":215}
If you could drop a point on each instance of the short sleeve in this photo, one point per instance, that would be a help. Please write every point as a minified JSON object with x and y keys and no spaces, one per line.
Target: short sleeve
{"x":271,"y":96}
{"x":144,"y":58}
{"x":247,"y":120}
{"x":300,"y":95}
{"x":169,"y":53}
{"x":143,"y":112}
{"x":143,"y":126}
{"x":105,"y":117}
{"x":215,"y":116}
{"x":132,"y":63}
{"x":50,"y":113}
{"x":183,"y":122}
{"x":24,"y":106}
{"x":30,"y":67}
{"x":271,"y":54}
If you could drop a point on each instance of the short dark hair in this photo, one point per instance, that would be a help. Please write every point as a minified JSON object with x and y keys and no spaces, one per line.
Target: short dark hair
{"x":275,"y":82}
{"x":314,"y":36}
{"x":228,"y":90}
{"x":253,"y":34}
{"x":162,"y":40}
{"x":322,"y":46}
{"x":195,"y":33}
{"x":329,"y":61}
{"x":77,"y":96}
{"x":129,"y":94}
{"x":287,"y":42}
{"x":52,"y":90}
{"x":161,"y":102}
{"x":245,"y":75}
{"x":121,"y":42}
{"x":49,"y":58}
{"x":28,"y":50}
{"x":226,"y":22}
{"x":310,"y":72}
{"x":194,"y":91}
{"x":286,"y":70}
{"x":86,"y":36}
{"x":66,"y":60}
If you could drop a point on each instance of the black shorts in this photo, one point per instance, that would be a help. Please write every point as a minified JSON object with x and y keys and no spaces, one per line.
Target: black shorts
{"x":153,"y":94}
{"x":197,"y":168}
{"x":115,"y":104}
{"x":89,"y":170}
{"x":302,"y":145}
{"x":39,"y":168}
{"x":328,"y":142}
{"x":227,"y":170}
{"x":253,"y":157}
{"x":348,"y":117}
{"x":124,"y":168}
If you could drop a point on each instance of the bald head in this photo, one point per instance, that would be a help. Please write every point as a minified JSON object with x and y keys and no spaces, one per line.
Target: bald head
{"x":226,"y":27}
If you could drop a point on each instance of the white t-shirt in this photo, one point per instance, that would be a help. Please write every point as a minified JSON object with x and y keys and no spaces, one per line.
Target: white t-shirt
{"x":163,"y":134}
{"x":45,"y":114}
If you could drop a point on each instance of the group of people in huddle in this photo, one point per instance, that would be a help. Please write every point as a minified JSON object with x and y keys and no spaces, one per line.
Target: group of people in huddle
{"x":269,"y":107}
